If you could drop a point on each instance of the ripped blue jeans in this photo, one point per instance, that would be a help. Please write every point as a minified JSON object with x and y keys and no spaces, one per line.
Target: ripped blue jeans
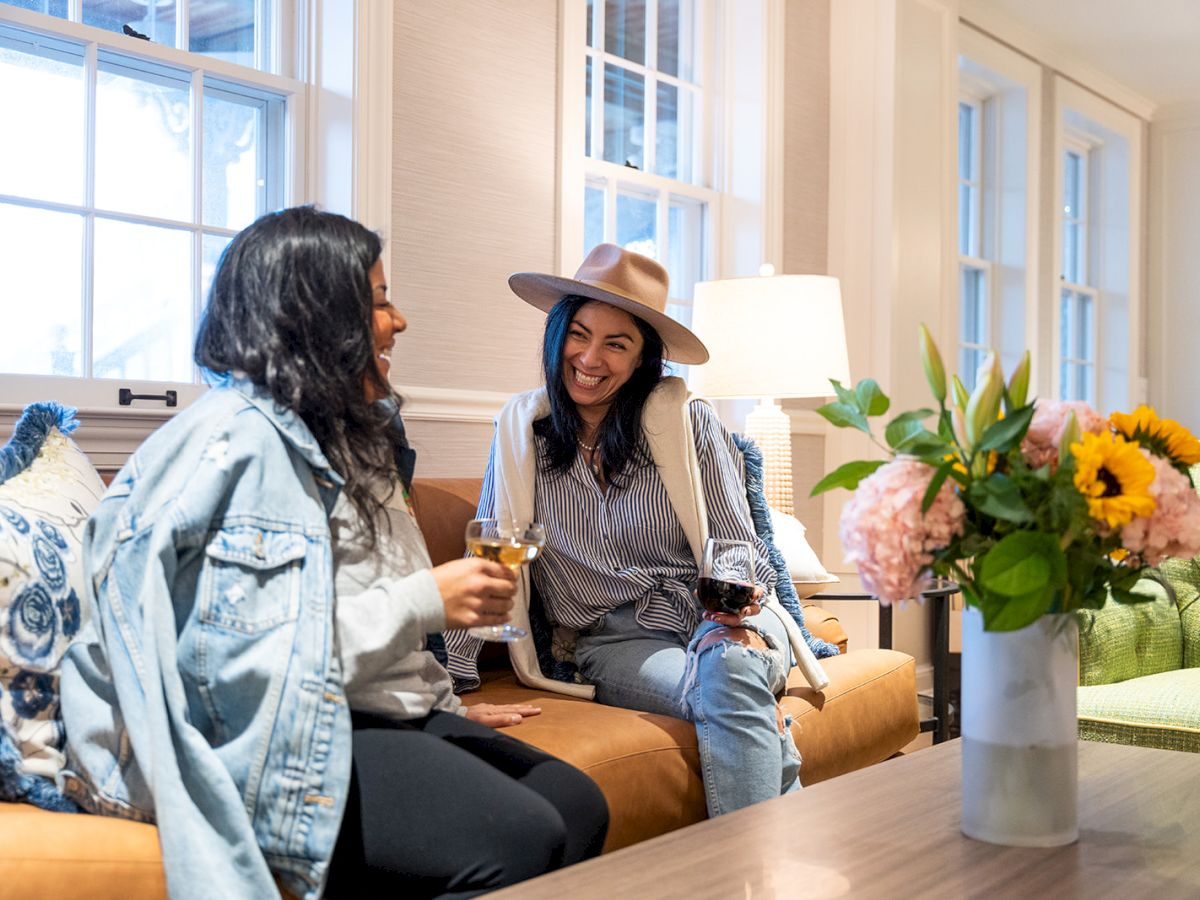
{"x":730,"y":697}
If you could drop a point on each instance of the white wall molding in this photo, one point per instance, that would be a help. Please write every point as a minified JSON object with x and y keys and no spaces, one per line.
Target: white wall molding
{"x":980,"y":15}
{"x":373,"y":119}
{"x":106,"y":435}
{"x":1184,"y":117}
{"x":450,"y":404}
{"x":925,"y":678}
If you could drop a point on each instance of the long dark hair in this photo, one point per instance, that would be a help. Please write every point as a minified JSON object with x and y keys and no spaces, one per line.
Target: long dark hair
{"x":620,"y":442}
{"x":290,"y":307}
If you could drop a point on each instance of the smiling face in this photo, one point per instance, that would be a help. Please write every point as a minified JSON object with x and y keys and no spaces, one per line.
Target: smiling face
{"x":386,"y":323}
{"x":602,"y":348}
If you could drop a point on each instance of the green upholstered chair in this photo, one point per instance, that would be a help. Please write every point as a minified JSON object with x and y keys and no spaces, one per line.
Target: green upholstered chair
{"x":1139,"y":665}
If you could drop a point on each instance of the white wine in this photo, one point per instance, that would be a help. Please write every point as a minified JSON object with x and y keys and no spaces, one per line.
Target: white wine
{"x":511,"y":552}
{"x":513,"y":547}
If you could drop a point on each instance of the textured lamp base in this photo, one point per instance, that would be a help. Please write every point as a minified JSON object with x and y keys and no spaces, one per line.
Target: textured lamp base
{"x":771,"y":428}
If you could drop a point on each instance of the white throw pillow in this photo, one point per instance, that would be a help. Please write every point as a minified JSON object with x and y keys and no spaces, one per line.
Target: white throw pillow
{"x":43,"y":509}
{"x":808,"y":575}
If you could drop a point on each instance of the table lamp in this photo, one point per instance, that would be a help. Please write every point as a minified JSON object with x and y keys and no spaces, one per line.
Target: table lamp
{"x":770,"y":337}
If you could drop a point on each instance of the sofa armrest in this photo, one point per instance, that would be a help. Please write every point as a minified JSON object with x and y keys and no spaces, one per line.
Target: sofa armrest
{"x":825,"y":625}
{"x":1121,"y":641}
{"x":1183,"y":576}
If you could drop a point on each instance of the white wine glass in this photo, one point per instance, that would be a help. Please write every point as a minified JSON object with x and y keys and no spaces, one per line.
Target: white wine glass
{"x":726,"y":576}
{"x":512,"y":544}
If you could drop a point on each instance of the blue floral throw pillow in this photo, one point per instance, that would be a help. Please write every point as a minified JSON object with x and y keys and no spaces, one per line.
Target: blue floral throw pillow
{"x":48,"y":489}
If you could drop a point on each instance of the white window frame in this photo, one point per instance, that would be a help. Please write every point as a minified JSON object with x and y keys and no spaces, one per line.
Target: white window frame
{"x":973,"y":182}
{"x":1080,"y":147}
{"x":1008,"y":88}
{"x":1081,"y":383}
{"x":338,"y":155}
{"x":1117,"y":363}
{"x":578,"y":169}
{"x":974,"y":260}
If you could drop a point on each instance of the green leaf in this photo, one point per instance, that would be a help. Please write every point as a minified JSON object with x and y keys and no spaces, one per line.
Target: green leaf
{"x":871,"y":400}
{"x":905,"y":426}
{"x":1012,"y":613}
{"x":843,"y":415}
{"x":935,"y":485}
{"x":926,"y":445}
{"x":997,"y":496}
{"x":945,"y":426}
{"x":844,"y":394}
{"x":974,"y":545}
{"x":1006,"y":434}
{"x":847,"y":476}
{"x":1126,"y":579}
{"x":1024,"y":563}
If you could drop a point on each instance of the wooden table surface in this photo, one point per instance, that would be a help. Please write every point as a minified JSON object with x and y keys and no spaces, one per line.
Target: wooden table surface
{"x":892,"y":831}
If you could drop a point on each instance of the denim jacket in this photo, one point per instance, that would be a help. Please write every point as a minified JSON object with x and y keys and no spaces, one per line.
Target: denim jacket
{"x":206,"y":694}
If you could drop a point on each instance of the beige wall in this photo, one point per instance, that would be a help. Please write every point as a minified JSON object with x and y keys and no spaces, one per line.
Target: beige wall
{"x":474,"y":172}
{"x":806,"y":138}
{"x":805,"y":208}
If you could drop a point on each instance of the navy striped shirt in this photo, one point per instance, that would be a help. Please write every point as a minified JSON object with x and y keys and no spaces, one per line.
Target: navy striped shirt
{"x":606,"y":549}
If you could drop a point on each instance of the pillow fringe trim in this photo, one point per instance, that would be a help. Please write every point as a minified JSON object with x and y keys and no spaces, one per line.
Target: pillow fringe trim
{"x":31,"y":432}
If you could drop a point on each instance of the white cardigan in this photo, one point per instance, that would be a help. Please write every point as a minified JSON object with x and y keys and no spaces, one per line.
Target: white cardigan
{"x":667,"y":427}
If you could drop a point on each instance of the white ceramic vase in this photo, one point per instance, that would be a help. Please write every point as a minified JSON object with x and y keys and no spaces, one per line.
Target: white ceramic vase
{"x":1019,"y":732}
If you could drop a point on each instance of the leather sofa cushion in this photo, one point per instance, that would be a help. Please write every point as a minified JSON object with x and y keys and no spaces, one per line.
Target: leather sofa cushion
{"x":50,"y":854}
{"x":648,"y":765}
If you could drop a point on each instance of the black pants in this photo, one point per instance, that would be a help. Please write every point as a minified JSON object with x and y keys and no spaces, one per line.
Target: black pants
{"x":443,"y":806}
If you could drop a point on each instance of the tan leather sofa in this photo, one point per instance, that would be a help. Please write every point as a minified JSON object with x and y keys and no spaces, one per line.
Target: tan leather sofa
{"x":646,"y":765}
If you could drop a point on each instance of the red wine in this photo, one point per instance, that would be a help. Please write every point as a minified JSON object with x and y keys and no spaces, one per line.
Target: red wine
{"x":724,"y":596}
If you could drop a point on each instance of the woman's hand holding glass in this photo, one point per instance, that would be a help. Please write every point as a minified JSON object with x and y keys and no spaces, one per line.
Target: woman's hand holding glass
{"x":726,"y":588}
{"x":475,"y":592}
{"x":512,"y":544}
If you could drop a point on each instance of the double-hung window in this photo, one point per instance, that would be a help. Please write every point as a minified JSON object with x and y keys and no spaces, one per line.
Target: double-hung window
{"x":135,"y":149}
{"x":999,"y":113}
{"x":1077,"y":310}
{"x":975,"y":329}
{"x":1097,"y":263}
{"x":648,"y":119}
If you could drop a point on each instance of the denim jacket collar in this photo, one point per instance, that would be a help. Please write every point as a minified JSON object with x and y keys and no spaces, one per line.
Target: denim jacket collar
{"x":289,"y":424}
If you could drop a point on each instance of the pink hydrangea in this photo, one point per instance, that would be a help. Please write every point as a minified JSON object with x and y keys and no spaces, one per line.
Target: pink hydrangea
{"x":1040,"y":445}
{"x":885,"y":535}
{"x":1173,"y":529}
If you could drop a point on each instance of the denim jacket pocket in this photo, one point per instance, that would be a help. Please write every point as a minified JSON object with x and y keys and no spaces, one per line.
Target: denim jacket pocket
{"x":251,"y":581}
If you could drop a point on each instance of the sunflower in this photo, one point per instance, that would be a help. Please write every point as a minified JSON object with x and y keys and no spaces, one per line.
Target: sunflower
{"x":1114,"y":476}
{"x":1162,"y":437}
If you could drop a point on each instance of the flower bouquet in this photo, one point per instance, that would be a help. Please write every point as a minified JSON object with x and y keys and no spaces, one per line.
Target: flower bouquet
{"x":1033,"y":507}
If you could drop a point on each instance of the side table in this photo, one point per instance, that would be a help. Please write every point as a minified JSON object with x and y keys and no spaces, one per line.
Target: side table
{"x":850,"y":587}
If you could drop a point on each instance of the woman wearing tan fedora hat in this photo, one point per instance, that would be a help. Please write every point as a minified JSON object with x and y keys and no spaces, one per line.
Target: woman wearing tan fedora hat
{"x":629,"y":476}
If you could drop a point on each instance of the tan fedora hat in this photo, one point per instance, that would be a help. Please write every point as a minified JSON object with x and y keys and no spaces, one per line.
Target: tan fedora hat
{"x":624,"y":279}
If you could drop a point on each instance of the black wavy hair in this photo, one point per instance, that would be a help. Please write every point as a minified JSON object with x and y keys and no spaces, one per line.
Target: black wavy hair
{"x":290,"y":307}
{"x":621,"y":443}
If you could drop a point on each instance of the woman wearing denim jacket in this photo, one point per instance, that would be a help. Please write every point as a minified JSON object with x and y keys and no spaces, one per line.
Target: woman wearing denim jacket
{"x":254,"y":678}
{"x":629,"y":475}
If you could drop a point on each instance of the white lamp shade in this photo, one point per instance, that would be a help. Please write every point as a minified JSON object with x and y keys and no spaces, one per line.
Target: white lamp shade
{"x":775,"y":336}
